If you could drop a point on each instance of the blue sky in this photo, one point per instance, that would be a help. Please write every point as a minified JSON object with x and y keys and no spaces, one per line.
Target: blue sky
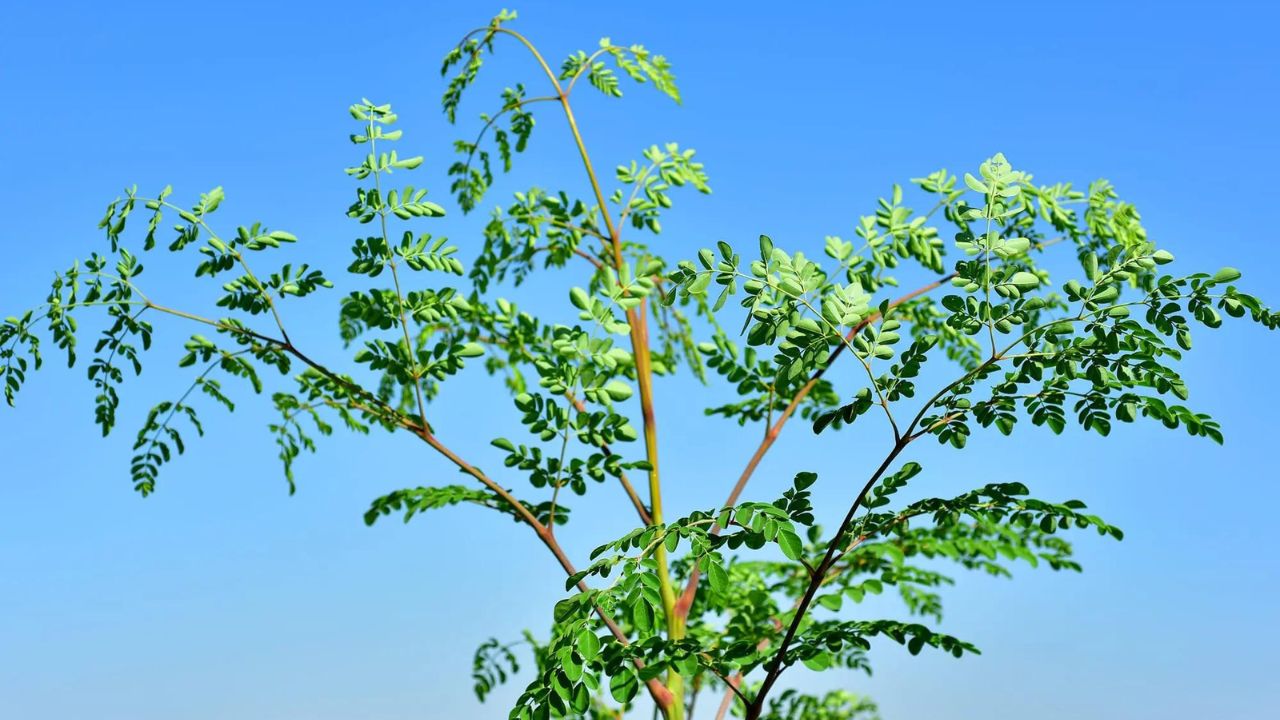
{"x":223,"y":597}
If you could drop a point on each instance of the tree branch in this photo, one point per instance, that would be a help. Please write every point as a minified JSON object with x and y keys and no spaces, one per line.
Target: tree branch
{"x":637,"y":320}
{"x":627,"y":487}
{"x":691,"y":587}
{"x":771,"y":436}
{"x":776,"y":666}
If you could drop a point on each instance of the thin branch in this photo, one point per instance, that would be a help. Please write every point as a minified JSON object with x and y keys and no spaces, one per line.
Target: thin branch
{"x":732,"y":685}
{"x":775,"y":666}
{"x":239,"y":256}
{"x":846,"y":341}
{"x":262,"y":290}
{"x":218,"y":324}
{"x":555,"y":81}
{"x":637,"y":321}
{"x":635,"y":190}
{"x":555,"y":494}
{"x":173,"y":410}
{"x":395,"y":278}
{"x":585,"y":68}
{"x":662,"y":696}
{"x":627,"y":487}
{"x":727,"y":701}
{"x":691,"y":587}
{"x":506,"y":109}
{"x":768,"y":421}
{"x":595,"y":261}
{"x":589,"y":258}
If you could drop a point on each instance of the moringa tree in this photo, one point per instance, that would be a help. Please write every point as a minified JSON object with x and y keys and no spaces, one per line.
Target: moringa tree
{"x":726,"y":598}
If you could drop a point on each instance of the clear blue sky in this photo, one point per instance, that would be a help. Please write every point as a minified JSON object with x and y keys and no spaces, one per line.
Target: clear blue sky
{"x":222,"y":597}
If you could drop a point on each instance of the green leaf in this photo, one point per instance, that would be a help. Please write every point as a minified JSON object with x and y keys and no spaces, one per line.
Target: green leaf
{"x":717,"y":578}
{"x":790,"y":543}
{"x":617,"y":390}
{"x":471,"y":350}
{"x":624,"y":685}
{"x":1024,"y":281}
{"x":975,"y":184}
{"x":1226,"y":275}
{"x":642,"y":615}
{"x":588,"y":644}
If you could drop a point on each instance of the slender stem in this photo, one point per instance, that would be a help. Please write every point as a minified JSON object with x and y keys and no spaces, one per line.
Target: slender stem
{"x":846,"y":340}
{"x":986,"y":256}
{"x":218,"y":324}
{"x":637,"y":319}
{"x":173,"y":410}
{"x":660,"y":694}
{"x":732,"y":687}
{"x":570,"y":227}
{"x":555,"y":493}
{"x":640,"y":349}
{"x":555,"y":80}
{"x":635,"y":190}
{"x":613,"y":239}
{"x":395,"y":278}
{"x":671,"y":701}
{"x":627,"y":487}
{"x":589,"y":258}
{"x":262,"y":289}
{"x":586,"y":66}
{"x":768,"y":421}
{"x":488,"y":124}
